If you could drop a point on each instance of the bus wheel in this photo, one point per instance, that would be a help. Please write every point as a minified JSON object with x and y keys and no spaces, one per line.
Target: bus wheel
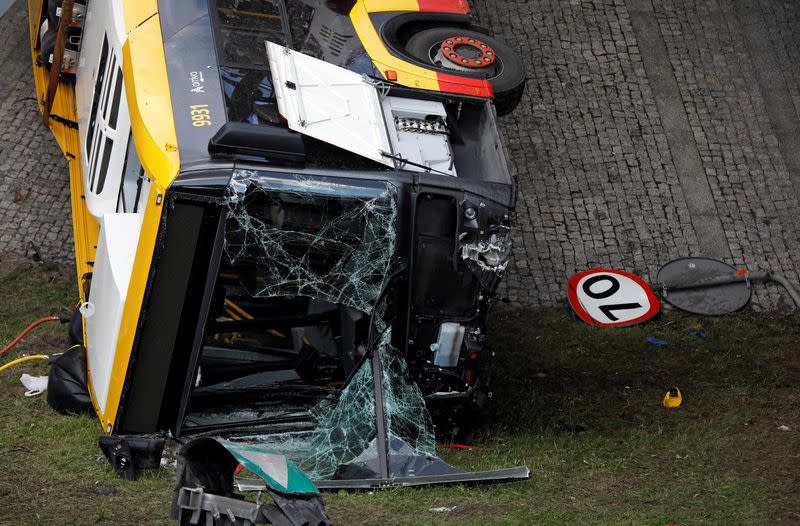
{"x":460,"y":51}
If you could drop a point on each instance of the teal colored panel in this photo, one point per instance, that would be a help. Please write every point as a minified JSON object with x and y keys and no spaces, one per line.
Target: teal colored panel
{"x":278,"y":472}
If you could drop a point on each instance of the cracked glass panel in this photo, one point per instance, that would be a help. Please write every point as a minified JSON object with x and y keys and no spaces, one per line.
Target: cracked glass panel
{"x":345,"y":424}
{"x":316,"y":238}
{"x":330,"y":240}
{"x":346,"y":427}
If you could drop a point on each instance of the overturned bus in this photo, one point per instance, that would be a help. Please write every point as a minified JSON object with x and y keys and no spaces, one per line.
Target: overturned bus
{"x":276,"y":202}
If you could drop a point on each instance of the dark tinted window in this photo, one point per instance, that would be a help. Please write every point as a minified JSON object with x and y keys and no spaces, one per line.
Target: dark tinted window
{"x":242,"y":27}
{"x":103,"y":168}
{"x":98,"y":87}
{"x":132,"y":178}
{"x":324,"y":30}
{"x":96,"y":151}
{"x":249,"y":95}
{"x":114,"y":112}
{"x":105,"y":115}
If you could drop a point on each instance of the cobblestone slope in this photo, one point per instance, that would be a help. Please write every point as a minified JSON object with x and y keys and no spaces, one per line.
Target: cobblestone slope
{"x":35,"y":216}
{"x":648,"y":131}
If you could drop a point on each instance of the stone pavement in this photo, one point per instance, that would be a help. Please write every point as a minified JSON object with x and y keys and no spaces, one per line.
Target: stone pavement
{"x":35,"y":215}
{"x":631,"y":153}
{"x":649,"y":131}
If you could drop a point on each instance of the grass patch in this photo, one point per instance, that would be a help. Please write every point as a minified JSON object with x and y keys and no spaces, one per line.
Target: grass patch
{"x":719,"y":459}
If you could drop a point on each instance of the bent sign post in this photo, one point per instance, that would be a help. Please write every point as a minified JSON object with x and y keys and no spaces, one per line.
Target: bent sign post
{"x":611,"y":298}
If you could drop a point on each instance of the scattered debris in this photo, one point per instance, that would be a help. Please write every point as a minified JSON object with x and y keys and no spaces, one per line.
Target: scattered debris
{"x":35,"y":385}
{"x":711,"y":287}
{"x":442,"y":509}
{"x":673,"y":398}
{"x":784,"y":427}
{"x":67,"y":390}
{"x":699,"y":333}
{"x":655,"y":341}
{"x":489,"y":255}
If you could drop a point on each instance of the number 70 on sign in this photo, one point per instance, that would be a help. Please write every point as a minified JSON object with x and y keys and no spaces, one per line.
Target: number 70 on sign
{"x":611,"y":298}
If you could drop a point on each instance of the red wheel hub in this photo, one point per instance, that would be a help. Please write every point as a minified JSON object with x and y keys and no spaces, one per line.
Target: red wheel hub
{"x":468,"y":52}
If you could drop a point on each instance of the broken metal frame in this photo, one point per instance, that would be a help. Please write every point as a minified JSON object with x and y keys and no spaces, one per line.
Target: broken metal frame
{"x":475,"y":477}
{"x":191,"y":504}
{"x":382,"y":436}
{"x":387,"y":479}
{"x":384,"y":477}
{"x":194,"y":501}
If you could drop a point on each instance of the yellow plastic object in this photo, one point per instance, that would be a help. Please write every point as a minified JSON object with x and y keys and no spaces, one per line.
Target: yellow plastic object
{"x":673,"y":398}
{"x":23,"y":360}
{"x":240,"y":311}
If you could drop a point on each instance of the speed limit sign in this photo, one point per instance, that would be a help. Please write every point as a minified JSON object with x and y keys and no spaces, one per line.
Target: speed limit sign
{"x":611,"y":298}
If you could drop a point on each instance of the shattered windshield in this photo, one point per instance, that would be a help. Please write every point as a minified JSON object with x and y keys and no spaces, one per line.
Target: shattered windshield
{"x":323,"y":239}
{"x":298,"y":308}
{"x":345,"y":425}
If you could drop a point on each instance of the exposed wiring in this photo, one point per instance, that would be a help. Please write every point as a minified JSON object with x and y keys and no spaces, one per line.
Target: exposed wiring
{"x":26,"y":331}
{"x":23,"y":360}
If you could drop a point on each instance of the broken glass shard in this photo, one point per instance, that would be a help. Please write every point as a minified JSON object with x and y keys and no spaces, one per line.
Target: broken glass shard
{"x":313,"y":237}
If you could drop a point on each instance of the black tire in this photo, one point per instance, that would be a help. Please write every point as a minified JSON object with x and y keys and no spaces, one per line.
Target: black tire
{"x":507,"y":79}
{"x":75,"y":328}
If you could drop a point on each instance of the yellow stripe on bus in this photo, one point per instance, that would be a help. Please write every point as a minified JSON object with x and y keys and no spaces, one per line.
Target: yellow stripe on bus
{"x":137,"y":11}
{"x":407,"y":74}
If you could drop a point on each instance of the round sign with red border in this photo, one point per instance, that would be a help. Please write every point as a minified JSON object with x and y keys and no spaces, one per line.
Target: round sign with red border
{"x":611,"y":298}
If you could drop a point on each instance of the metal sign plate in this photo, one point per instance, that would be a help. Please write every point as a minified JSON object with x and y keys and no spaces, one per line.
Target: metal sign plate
{"x":711,"y":301}
{"x":611,"y":298}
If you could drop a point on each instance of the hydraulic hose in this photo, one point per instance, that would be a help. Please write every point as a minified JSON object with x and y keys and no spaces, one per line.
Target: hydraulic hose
{"x":26,"y":331}
{"x":781,"y":280}
{"x":23,"y":360}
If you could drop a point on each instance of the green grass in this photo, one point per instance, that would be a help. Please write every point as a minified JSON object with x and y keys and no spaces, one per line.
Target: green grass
{"x":718,"y":459}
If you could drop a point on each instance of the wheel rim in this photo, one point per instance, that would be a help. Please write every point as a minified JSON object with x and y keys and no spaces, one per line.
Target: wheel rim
{"x":467,"y":52}
{"x":470,"y":49}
